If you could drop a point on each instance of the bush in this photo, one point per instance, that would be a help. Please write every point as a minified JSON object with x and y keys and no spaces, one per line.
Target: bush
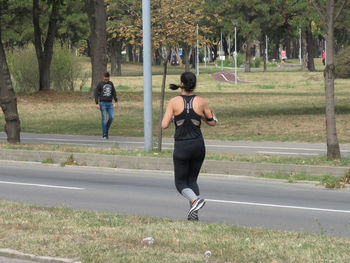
{"x":65,"y":69}
{"x":229,"y":61}
{"x":255,"y":63}
{"x":240,"y":59}
{"x":342,"y":64}
{"x":24,"y":69}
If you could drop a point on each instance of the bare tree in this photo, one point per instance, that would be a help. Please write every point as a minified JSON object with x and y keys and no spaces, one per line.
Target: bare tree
{"x":8,"y":101}
{"x":328,"y":16}
{"x":97,"y":19}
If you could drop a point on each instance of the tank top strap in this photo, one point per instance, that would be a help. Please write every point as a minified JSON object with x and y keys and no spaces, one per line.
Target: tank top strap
{"x":188,"y":103}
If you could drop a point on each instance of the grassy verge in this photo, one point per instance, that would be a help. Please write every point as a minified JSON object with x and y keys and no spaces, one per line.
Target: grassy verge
{"x":305,"y":160}
{"x":331,"y":182}
{"x":103,"y":237}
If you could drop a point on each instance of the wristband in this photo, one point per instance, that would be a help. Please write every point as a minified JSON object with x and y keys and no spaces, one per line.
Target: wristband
{"x":213,"y":119}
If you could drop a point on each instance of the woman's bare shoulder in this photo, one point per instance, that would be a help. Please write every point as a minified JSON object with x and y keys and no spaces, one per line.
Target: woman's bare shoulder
{"x":200,"y":100}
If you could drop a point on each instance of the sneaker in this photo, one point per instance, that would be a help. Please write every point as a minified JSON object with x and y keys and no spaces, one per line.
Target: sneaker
{"x":104,"y":138}
{"x":195,"y":216}
{"x":196,"y":205}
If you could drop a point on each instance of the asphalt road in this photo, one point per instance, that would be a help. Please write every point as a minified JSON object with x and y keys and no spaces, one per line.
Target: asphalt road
{"x":236,"y":147}
{"x":233,"y":200}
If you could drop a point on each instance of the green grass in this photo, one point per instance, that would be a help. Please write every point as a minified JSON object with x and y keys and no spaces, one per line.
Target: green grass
{"x":105,"y":237}
{"x":304,"y":160}
{"x":331,"y":182}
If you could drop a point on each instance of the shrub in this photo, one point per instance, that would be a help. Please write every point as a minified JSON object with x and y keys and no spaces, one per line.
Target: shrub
{"x":342,"y":64}
{"x":255,"y":63}
{"x":24,"y":69}
{"x":65,"y":69}
{"x":229,"y":61}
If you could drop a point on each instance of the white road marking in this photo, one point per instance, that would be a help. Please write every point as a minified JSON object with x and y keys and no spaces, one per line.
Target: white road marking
{"x":287,"y":153}
{"x":281,"y":206}
{"x":43,"y":185}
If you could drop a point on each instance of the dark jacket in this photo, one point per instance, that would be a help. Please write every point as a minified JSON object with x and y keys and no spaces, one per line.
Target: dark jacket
{"x":105,"y":92}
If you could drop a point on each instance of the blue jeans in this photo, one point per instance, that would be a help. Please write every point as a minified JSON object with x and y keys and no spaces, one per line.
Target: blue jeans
{"x":106,"y":108}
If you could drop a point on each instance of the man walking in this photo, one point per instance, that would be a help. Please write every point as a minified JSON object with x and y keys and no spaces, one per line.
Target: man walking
{"x":104,"y":95}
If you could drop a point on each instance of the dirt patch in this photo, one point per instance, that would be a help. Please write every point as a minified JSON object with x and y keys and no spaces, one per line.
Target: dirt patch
{"x":224,"y":77}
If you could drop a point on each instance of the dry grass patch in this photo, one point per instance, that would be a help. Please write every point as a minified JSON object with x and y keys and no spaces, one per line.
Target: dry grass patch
{"x":103,"y":237}
{"x":276,"y":106}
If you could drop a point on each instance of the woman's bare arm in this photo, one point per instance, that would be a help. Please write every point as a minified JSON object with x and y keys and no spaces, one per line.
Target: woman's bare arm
{"x":168,"y":115}
{"x":209,"y":116}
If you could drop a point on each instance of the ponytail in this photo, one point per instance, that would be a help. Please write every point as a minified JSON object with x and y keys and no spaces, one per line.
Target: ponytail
{"x":174,"y":87}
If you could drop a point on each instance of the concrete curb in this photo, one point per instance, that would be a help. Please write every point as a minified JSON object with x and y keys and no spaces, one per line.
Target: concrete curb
{"x":10,"y":253}
{"x":166,"y":164}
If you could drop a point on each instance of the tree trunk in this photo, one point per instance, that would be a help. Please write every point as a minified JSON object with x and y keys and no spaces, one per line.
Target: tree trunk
{"x":186,"y":55}
{"x":288,"y":49}
{"x":193,"y":58}
{"x":215,"y":52}
{"x":134,"y":53}
{"x":304,"y":50}
{"x":119,"y":58}
{"x":310,"y":48}
{"x":44,"y":56}
{"x":141,"y":54}
{"x":97,"y":20}
{"x":162,"y":95}
{"x":113,"y":48}
{"x":129,"y":57}
{"x":248,"y":56}
{"x":8,"y":101}
{"x":333,"y":151}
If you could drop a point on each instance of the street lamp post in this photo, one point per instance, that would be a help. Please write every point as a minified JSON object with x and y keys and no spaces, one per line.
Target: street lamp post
{"x":235,"y":22}
{"x":147,"y":74}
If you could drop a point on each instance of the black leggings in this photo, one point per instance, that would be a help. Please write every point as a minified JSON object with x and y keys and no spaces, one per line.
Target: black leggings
{"x":188,"y":159}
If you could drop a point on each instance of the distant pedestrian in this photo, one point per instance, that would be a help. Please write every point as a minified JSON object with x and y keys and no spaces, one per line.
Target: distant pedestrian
{"x":283,"y":56}
{"x":187,"y":111}
{"x":323,"y":57}
{"x":104,"y":95}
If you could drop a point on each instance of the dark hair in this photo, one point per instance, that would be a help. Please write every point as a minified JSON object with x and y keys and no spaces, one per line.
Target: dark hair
{"x":188,"y":79}
{"x":106,"y":75}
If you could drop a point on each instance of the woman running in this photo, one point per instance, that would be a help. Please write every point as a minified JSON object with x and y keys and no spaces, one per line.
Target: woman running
{"x":187,"y":111}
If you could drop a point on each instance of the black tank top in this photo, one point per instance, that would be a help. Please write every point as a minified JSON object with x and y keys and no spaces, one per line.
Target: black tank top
{"x":188,"y":122}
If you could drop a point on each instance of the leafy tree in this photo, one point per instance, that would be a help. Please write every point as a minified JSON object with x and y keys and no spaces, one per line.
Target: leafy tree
{"x":250,"y":15}
{"x":329,"y":12}
{"x":342,"y":63}
{"x":8,"y":101}
{"x":17,"y":26}
{"x":73,"y":25}
{"x":124,"y":25}
{"x":342,"y":27}
{"x":171,"y":28}
{"x":44,"y":48}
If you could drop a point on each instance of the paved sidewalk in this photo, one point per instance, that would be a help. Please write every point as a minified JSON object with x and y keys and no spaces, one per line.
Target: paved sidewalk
{"x":13,"y":256}
{"x":13,"y":260}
